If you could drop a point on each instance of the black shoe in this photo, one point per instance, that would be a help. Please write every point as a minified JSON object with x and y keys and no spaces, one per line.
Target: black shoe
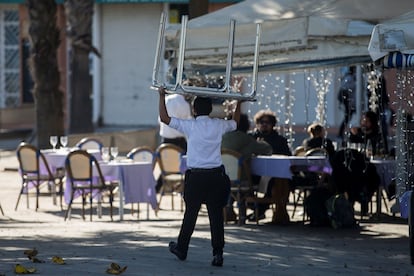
{"x":217,"y":260}
{"x":252,"y":217}
{"x":174,"y":249}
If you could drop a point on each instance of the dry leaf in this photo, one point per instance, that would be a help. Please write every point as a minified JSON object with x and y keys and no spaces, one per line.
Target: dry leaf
{"x":30,"y":252}
{"x":115,"y":269}
{"x":19,"y":269}
{"x":36,"y":260}
{"x":58,"y":260}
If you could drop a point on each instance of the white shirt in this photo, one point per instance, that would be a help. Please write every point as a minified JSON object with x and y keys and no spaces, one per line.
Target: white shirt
{"x":177,"y":107}
{"x":204,"y":136}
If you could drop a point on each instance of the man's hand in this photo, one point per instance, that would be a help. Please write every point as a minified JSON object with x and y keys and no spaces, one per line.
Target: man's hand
{"x":162,"y":108}
{"x":161,"y":90}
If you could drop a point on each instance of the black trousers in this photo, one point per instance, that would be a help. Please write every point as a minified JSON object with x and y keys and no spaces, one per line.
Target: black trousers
{"x":210,"y":187}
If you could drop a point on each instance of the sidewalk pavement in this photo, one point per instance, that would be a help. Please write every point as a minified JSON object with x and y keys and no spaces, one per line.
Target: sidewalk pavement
{"x":376,"y":247}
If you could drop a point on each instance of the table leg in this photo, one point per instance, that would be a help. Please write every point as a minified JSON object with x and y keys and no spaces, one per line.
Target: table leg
{"x":410,"y":226}
{"x":280,"y":192}
{"x":121,"y":201}
{"x":379,"y":197}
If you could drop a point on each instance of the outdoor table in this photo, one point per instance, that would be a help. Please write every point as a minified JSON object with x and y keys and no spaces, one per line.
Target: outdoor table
{"x":137,"y":182}
{"x":386,"y":171}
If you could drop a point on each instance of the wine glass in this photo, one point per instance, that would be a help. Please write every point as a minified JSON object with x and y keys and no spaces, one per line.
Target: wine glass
{"x":105,"y":154}
{"x":114,"y":152}
{"x":64,"y":141}
{"x":53,"y":141}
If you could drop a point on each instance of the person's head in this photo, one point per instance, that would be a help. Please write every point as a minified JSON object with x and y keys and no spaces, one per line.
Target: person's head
{"x":244,"y":123}
{"x":369,"y":122}
{"x":202,"y":106}
{"x":265,"y":121}
{"x":316,"y":130}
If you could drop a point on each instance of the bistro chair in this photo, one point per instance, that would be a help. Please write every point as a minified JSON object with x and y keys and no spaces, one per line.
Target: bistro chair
{"x":238,"y":171}
{"x":35,"y":171}
{"x":299,"y":151}
{"x":80,"y":166}
{"x":169,"y":160}
{"x":142,"y":154}
{"x":304,"y":181}
{"x":90,"y":143}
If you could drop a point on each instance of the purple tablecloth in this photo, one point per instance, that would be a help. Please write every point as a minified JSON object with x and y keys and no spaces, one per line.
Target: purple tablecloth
{"x":385,"y":169}
{"x":279,"y":165}
{"x":137,"y":183}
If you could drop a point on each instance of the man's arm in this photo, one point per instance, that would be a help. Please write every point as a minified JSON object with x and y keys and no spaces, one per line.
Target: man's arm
{"x":165,"y":118}
{"x":236,"y":113}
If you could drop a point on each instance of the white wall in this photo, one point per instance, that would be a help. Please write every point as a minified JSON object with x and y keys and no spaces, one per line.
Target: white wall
{"x":129,"y":36}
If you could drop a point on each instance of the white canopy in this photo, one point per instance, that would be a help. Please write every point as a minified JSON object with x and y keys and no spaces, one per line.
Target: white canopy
{"x":295,"y":33}
{"x":395,"y":35}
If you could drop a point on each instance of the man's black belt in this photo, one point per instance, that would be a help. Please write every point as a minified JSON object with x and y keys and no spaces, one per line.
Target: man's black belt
{"x":203,"y":170}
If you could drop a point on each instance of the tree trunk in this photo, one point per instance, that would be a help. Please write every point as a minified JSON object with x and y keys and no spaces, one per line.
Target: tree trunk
{"x":197,"y":8}
{"x":44,"y":40}
{"x":79,"y":15}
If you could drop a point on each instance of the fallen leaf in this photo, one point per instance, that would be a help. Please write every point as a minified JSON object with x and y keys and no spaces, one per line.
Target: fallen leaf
{"x":36,"y":260}
{"x":30,"y":252}
{"x":115,"y":269}
{"x":58,"y":260}
{"x":19,"y":269}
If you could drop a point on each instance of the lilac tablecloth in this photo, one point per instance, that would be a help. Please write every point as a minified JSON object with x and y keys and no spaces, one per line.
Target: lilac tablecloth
{"x":385,"y":169}
{"x":279,"y":165}
{"x":56,"y":158}
{"x":137,"y":183}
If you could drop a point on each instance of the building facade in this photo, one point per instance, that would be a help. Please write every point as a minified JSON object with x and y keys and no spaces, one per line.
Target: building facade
{"x":125,"y":33}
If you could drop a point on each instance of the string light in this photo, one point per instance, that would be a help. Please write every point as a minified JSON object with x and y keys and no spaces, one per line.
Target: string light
{"x":404,"y":131}
{"x":322,"y":81}
{"x":373,"y":79}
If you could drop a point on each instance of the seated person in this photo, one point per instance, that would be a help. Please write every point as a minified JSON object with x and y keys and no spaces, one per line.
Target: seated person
{"x":277,"y":188}
{"x":245,"y":144}
{"x":317,"y":139}
{"x":354,"y":174}
{"x":368,"y":133}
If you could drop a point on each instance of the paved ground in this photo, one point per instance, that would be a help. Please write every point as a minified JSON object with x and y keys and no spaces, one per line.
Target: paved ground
{"x":377,"y":247}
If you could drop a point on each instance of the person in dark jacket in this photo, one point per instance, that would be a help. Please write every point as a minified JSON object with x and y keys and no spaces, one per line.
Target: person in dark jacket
{"x":277,"y":188}
{"x":317,"y":139}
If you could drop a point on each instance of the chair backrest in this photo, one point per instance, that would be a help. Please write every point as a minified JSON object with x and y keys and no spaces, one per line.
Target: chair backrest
{"x":79,"y":166}
{"x":142,"y":154}
{"x":233,"y":163}
{"x":169,"y":158}
{"x":299,"y":151}
{"x":316,"y":152}
{"x":89,"y":143}
{"x":31,"y":160}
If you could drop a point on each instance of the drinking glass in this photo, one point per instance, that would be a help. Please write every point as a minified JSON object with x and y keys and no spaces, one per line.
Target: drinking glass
{"x":114,"y":152}
{"x":105,"y":154}
{"x":64,"y":141}
{"x":53,"y":141}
